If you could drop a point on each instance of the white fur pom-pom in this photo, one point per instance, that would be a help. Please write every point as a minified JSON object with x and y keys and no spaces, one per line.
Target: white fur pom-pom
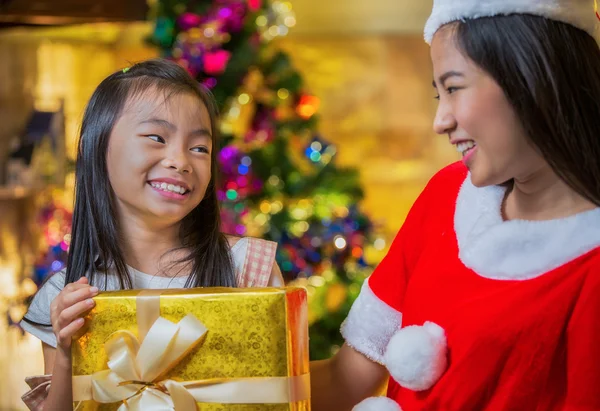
{"x":416,"y":356}
{"x":377,"y":404}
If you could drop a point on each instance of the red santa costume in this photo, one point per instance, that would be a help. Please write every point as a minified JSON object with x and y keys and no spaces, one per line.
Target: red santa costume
{"x":493,"y":314}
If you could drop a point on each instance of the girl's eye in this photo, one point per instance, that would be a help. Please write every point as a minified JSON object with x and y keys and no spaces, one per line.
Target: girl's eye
{"x":156,"y":138}
{"x":200,"y":149}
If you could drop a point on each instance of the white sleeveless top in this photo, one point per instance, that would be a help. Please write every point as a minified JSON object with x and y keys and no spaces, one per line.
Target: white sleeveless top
{"x":252,"y":260}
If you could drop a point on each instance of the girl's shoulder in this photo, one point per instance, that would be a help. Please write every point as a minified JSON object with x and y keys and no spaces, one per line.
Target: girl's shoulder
{"x":51,"y":287}
{"x":253,"y":260}
{"x":37,"y":319}
{"x":245,"y":245}
{"x":233,"y":240}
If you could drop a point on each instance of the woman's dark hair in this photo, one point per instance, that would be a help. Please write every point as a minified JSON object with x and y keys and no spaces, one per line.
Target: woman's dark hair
{"x":96,"y":243}
{"x":550,"y":73}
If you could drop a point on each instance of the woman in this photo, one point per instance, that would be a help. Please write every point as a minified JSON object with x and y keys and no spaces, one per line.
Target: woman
{"x":494,"y":278}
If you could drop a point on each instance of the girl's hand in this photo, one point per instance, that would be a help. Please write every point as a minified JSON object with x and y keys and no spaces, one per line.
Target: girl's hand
{"x":67,"y":309}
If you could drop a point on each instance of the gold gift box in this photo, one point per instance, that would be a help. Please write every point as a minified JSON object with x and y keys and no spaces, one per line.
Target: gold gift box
{"x":251,"y":333}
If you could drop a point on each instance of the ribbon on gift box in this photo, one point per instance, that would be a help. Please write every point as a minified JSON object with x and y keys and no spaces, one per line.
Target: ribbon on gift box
{"x":137,"y":364}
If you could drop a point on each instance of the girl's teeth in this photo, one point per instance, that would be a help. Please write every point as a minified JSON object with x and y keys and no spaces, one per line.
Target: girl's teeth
{"x":169,"y":187}
{"x":464,"y":146}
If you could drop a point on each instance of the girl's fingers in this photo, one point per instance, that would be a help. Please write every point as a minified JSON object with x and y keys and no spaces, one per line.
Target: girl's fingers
{"x":66,"y":310}
{"x":79,"y":294}
{"x":66,"y":334}
{"x":69,"y":288}
{"x":71,"y":313}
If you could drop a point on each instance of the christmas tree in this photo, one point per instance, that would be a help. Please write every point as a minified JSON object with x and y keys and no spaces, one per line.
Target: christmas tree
{"x":279,"y":175}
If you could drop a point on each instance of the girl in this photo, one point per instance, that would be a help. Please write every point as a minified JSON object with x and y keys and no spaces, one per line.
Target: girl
{"x":489,"y":297}
{"x":146,"y":213}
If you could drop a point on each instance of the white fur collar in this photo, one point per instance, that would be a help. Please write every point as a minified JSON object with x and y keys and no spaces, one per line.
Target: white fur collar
{"x":517,"y":249}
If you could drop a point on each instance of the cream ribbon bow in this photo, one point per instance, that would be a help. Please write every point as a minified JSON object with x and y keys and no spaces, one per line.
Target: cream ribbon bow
{"x":133,"y":368}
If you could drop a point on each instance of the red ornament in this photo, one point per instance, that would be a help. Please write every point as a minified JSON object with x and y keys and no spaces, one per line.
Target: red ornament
{"x":307,"y":106}
{"x":254,"y":5}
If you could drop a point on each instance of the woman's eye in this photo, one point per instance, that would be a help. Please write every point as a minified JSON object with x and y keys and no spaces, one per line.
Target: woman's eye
{"x":156,"y":138}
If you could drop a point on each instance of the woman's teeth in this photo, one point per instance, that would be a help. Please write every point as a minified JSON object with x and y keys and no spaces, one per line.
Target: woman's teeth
{"x":168,"y":187}
{"x":465,"y":146}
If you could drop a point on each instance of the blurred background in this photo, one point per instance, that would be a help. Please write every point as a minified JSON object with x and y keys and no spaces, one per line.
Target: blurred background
{"x":326,"y":112}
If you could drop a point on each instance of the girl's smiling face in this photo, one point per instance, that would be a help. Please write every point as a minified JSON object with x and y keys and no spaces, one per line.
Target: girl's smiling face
{"x":159,"y":157}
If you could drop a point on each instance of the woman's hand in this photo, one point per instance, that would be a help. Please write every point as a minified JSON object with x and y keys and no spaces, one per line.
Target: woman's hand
{"x":67,"y":309}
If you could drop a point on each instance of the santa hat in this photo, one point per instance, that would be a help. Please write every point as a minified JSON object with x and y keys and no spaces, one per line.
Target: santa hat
{"x":578,"y":13}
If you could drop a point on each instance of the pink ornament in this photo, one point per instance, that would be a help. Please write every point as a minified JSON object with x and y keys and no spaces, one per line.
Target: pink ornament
{"x":215,"y":62}
{"x":231,"y":14}
{"x":262,"y":129}
{"x":189,"y":20}
{"x":209,"y":82}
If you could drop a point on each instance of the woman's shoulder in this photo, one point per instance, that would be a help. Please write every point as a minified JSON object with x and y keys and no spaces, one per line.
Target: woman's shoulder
{"x":441,"y":191}
{"x":450,"y":177}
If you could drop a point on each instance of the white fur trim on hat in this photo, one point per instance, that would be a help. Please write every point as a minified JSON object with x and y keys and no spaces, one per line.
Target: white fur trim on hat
{"x":370,"y":324}
{"x":377,"y":404}
{"x":578,"y":13}
{"x":416,"y":356}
